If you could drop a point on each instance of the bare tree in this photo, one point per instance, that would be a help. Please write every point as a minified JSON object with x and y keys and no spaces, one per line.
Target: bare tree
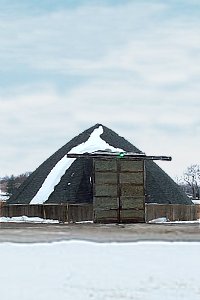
{"x":192,"y":178}
{"x":9,"y":184}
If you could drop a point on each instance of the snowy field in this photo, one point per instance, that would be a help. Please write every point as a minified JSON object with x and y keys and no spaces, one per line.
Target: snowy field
{"x":77,"y":270}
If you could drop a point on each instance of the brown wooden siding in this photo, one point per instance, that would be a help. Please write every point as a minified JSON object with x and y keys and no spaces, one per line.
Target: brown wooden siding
{"x":84,"y":212}
{"x":118,"y":190}
{"x":173,"y":212}
{"x":61,"y":212}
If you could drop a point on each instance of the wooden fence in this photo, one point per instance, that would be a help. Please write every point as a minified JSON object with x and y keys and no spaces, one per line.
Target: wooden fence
{"x":61,"y":212}
{"x":173,"y":212}
{"x":2,"y":203}
{"x":84,"y":212}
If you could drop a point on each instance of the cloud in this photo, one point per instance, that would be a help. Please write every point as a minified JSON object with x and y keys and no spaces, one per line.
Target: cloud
{"x":137,"y":32}
{"x":136,"y":40}
{"x":135,"y":68}
{"x":35,"y":124}
{"x":86,"y":32}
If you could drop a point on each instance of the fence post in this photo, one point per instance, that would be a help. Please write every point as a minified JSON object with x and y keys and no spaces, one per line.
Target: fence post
{"x":68,"y":213}
{"x":44,"y":212}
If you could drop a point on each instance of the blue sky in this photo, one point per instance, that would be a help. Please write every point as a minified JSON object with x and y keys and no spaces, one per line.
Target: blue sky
{"x":133,"y":66}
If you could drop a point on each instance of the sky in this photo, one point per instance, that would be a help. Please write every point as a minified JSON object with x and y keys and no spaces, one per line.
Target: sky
{"x":133,"y":66}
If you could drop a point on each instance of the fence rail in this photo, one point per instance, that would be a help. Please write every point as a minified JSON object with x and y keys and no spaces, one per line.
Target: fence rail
{"x":84,"y":212}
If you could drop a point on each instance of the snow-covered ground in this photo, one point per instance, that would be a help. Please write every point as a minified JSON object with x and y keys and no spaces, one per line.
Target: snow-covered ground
{"x":25,"y":219}
{"x":78,"y":270}
{"x":165,"y":220}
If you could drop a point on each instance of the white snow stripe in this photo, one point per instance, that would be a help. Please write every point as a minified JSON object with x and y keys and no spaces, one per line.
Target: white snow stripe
{"x":94,"y":143}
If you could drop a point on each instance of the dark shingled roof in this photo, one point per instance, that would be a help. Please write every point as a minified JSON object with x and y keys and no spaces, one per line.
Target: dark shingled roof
{"x":75,"y":184}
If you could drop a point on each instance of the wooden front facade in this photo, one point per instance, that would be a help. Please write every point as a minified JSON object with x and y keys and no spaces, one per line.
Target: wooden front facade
{"x":118,"y":185}
{"x":118,"y":190}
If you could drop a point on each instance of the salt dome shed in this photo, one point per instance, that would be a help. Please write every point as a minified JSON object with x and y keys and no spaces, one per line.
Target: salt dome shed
{"x":60,"y":179}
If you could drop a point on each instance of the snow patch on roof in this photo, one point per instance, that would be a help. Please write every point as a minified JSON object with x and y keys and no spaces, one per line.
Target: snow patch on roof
{"x":93,"y":143}
{"x":52,"y":180}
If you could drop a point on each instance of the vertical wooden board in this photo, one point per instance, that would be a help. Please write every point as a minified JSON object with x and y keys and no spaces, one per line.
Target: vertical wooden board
{"x":161,"y":211}
{"x":197,"y":211}
{"x":131,"y":165}
{"x":87,"y":212}
{"x":105,"y":177}
{"x":1,"y":205}
{"x":130,"y":177}
{"x":105,"y":165}
{"x":178,"y":213}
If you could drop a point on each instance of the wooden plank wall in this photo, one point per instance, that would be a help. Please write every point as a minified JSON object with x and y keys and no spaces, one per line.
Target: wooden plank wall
{"x":118,"y":194}
{"x":2,"y":203}
{"x":84,"y":212}
{"x":61,"y":212}
{"x":173,"y":212}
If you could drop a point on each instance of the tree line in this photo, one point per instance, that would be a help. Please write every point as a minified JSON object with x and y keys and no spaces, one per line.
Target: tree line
{"x":9,"y":184}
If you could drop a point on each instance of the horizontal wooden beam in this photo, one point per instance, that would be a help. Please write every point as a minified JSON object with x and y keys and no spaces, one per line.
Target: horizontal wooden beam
{"x":120,"y":155}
